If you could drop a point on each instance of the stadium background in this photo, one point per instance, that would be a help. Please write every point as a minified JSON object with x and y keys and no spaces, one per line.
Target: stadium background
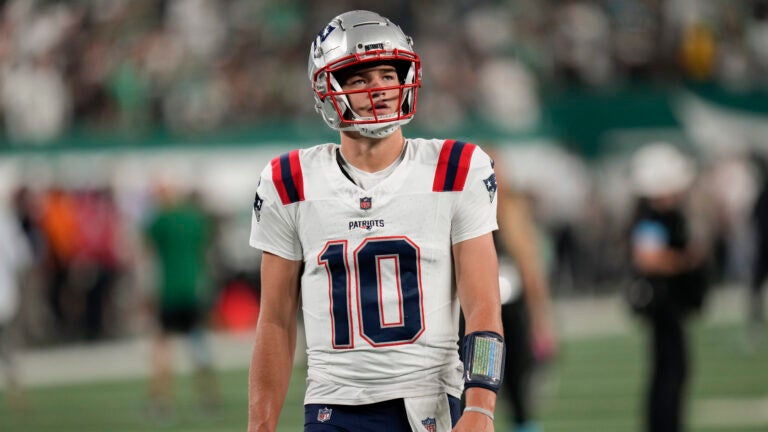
{"x":115,"y":96}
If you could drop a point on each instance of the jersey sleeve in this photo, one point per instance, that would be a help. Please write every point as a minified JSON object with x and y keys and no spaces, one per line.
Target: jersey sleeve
{"x":475,"y":211}
{"x":273,"y":224}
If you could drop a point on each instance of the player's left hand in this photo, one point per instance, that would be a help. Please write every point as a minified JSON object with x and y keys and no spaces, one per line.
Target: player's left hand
{"x":544,"y":341}
{"x":474,"y":422}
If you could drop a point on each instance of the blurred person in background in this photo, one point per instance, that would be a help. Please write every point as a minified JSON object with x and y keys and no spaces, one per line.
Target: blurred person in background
{"x":756,"y":300}
{"x":560,"y":209}
{"x":668,"y":265}
{"x":34,"y":100}
{"x":15,"y":259}
{"x":59,"y":226}
{"x":732,"y":185}
{"x":525,"y":295}
{"x":35,"y":314}
{"x":99,"y":258}
{"x":581,"y":42}
{"x":178,"y":235}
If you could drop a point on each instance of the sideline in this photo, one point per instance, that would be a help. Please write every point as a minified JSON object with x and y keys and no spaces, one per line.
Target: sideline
{"x":129,"y":358}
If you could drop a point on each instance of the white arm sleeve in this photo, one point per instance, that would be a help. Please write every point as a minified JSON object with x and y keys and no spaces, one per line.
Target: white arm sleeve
{"x":273,"y":225}
{"x":474,"y":213}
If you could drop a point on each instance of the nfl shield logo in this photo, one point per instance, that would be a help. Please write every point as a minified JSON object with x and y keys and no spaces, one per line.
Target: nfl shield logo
{"x":366,"y":203}
{"x":324,"y":414}
{"x":430,"y":424}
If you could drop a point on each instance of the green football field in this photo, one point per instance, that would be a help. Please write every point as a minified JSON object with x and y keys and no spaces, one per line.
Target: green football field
{"x":595,"y":385}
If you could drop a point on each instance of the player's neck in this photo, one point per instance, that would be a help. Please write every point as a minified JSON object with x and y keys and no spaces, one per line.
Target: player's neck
{"x":371,"y":154}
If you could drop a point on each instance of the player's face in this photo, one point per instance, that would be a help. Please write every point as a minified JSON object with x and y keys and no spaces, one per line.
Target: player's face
{"x":375,"y":90}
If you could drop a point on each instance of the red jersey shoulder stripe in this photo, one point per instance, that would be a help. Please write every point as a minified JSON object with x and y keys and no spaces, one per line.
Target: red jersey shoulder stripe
{"x":452,"y":166}
{"x":287,"y":177}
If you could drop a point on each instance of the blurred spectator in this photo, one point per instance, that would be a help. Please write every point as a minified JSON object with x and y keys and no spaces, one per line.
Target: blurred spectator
{"x":582,"y":42}
{"x":15,"y":259}
{"x":97,"y":265}
{"x":178,"y":235}
{"x":199,"y":25}
{"x":670,"y":278}
{"x":635,"y":29}
{"x":27,"y":215}
{"x":130,"y":90}
{"x":197,"y":104}
{"x":58,"y":223}
{"x":557,"y":183}
{"x":35,"y":100}
{"x":506,"y":91}
{"x":34,"y":319}
{"x":756,"y":298}
{"x":697,"y":52}
{"x":732,"y":187}
{"x":733,"y":57}
{"x":757,"y":38}
{"x":513,"y":106}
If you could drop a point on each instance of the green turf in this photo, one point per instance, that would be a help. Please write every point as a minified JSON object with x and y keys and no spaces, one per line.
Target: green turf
{"x":595,"y":385}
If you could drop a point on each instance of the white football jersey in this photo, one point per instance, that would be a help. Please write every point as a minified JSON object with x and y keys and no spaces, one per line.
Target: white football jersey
{"x":380,"y":313}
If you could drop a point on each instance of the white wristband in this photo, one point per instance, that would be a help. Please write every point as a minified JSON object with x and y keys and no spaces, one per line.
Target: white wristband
{"x":479,"y":410}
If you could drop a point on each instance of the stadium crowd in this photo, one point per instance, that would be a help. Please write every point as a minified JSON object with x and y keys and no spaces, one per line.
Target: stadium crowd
{"x":192,"y":65}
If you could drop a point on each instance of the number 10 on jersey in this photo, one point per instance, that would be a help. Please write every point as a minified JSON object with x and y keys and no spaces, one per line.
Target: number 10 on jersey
{"x":367,"y":275}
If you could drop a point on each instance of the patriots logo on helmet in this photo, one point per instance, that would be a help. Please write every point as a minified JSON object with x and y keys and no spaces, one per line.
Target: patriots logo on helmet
{"x":490,"y":185}
{"x":257,"y":203}
{"x":324,"y":414}
{"x":430,"y":424}
{"x":323,"y":35}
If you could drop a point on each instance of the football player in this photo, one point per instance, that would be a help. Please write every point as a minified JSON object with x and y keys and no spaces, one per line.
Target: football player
{"x":378,"y":239}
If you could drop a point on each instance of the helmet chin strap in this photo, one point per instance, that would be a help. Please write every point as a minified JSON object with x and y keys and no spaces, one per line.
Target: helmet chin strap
{"x":378,"y":131}
{"x":375,"y":130}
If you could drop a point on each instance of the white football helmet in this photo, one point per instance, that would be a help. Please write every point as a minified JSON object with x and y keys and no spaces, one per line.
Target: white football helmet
{"x":353,"y":39}
{"x":660,"y":169}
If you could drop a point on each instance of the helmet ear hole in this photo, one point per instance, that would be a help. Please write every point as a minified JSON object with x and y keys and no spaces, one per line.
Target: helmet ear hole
{"x":320,"y":83}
